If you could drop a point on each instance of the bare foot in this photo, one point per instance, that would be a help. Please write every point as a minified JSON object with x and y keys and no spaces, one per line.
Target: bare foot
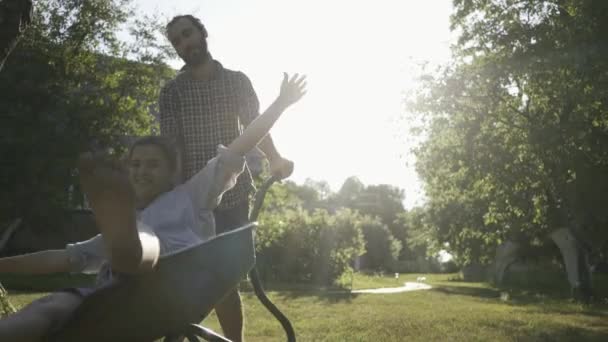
{"x":111,"y":196}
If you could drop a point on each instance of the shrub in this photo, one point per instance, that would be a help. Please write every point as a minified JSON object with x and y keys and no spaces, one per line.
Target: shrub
{"x":381,"y":248}
{"x":298,"y":246}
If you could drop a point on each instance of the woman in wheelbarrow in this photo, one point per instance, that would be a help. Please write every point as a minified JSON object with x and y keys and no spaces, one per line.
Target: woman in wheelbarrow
{"x":141,"y":216}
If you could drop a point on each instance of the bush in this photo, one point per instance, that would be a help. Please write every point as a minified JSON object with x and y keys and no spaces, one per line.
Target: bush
{"x":418,"y":265}
{"x":299,"y":247}
{"x":340,"y":243}
{"x":381,"y":248}
{"x":6,"y":308}
{"x":448,"y":267}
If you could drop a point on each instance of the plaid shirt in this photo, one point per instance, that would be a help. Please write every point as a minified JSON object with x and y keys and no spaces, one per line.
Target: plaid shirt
{"x":208,"y":113}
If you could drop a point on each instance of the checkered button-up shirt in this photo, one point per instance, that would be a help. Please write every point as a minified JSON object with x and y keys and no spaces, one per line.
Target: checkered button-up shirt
{"x":205,"y":114}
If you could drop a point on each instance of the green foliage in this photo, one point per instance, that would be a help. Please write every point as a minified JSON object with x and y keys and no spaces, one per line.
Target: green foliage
{"x":316,"y":247}
{"x":66,"y":88}
{"x":418,"y":234}
{"x":381,"y":248}
{"x":451,"y":311}
{"x":6,"y":308}
{"x":517,"y":126}
{"x":421,"y":254}
{"x":341,"y":242}
{"x":373,"y":208}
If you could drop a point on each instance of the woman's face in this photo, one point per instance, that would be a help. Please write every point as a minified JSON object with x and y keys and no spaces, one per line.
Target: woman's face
{"x":150,"y":173}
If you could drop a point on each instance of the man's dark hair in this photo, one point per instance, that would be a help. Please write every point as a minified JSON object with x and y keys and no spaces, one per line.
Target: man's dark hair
{"x":195,"y":21}
{"x":165,"y":145}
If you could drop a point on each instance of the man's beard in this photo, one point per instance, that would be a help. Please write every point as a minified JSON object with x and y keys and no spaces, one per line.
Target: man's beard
{"x":201,"y":56}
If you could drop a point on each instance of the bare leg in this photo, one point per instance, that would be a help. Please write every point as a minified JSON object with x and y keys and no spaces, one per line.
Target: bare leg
{"x":112,"y":199}
{"x":230,"y":314}
{"x":34,"y":321}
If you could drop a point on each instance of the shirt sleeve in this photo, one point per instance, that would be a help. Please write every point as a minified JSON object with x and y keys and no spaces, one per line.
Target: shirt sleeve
{"x":249,"y":103}
{"x":169,"y":108}
{"x":220,"y":174}
{"x":86,"y":256}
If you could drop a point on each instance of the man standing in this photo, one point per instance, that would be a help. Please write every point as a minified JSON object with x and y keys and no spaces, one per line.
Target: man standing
{"x":204,"y":106}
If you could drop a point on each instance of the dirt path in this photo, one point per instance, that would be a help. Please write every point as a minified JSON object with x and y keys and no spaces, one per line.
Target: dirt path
{"x":407,"y":286}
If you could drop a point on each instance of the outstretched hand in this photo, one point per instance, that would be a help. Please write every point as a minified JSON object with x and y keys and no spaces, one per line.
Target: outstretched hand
{"x":292,"y":89}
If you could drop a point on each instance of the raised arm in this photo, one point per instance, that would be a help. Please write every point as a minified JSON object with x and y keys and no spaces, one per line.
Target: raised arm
{"x":220,"y":174}
{"x":250,"y":110}
{"x":292,"y":90}
{"x":45,"y":262}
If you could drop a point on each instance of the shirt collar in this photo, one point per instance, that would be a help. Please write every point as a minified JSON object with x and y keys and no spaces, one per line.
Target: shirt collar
{"x":217,"y":74}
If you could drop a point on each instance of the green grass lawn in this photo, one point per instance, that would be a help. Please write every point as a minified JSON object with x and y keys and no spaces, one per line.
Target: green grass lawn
{"x":452,"y":311}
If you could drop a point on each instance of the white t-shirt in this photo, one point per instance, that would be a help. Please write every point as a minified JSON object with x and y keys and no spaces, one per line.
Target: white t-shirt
{"x":180,"y":218}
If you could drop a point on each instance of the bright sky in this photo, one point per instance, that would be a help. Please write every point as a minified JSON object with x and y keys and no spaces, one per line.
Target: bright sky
{"x":360,"y":57}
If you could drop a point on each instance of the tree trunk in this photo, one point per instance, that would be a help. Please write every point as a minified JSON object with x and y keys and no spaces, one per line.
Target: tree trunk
{"x":576,"y":261}
{"x":506,"y":254}
{"x":15,"y":16}
{"x":6,"y":235}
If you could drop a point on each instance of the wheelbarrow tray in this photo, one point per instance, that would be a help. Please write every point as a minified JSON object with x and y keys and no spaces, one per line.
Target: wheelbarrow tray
{"x":182,"y":289}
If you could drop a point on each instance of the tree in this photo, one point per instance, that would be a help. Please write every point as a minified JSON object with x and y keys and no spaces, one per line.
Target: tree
{"x":518,"y":127}
{"x":421,"y":243}
{"x":295,"y":245}
{"x":76,"y":91}
{"x":350,"y":193}
{"x":381,"y":248}
{"x":15,"y":16}
{"x":372,"y":210}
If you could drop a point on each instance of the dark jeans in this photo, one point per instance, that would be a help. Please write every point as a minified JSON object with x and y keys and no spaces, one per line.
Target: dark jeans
{"x":229,"y":310}
{"x":232,"y":218}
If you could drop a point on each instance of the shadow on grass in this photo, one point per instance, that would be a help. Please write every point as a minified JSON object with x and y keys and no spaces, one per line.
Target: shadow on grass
{"x":522,"y":331}
{"x":535,"y":302}
{"x":467,"y":291}
{"x":300,"y":290}
{"x":591,"y":312}
{"x":55,"y":282}
{"x":328,"y":297}
{"x":536,"y":286}
{"x":549,"y":286}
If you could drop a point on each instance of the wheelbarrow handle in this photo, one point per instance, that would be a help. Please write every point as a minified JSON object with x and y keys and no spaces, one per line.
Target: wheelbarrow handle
{"x":259,"y":197}
{"x":253,"y":273}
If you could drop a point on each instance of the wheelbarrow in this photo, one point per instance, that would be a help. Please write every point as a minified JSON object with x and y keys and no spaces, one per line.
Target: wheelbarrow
{"x":180,"y":292}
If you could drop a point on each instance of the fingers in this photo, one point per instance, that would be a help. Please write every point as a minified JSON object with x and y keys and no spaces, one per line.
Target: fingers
{"x":297,"y":80}
{"x":293,"y":88}
{"x":293,"y":78}
{"x":298,"y":83}
{"x":301,"y":85}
